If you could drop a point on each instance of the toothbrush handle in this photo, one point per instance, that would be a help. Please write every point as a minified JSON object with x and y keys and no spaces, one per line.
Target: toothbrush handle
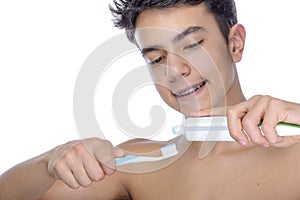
{"x":221,"y":133}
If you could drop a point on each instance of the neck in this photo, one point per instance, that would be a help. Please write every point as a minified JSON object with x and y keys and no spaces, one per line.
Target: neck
{"x":235,"y":94}
{"x":207,"y":149}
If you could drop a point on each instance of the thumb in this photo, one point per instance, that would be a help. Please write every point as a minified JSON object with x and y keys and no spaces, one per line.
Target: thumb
{"x":118,"y":152}
{"x":218,"y":111}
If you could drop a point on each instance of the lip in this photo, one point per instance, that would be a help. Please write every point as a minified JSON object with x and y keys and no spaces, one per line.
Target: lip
{"x":187,"y":96}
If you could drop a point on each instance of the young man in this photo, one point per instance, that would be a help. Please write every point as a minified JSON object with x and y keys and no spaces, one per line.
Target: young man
{"x":197,"y":32}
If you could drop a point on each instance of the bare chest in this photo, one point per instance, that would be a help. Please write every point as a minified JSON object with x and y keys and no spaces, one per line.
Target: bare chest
{"x":225,"y":178}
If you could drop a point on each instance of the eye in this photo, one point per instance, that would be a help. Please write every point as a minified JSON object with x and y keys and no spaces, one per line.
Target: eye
{"x":157,"y":60}
{"x":191,"y":46}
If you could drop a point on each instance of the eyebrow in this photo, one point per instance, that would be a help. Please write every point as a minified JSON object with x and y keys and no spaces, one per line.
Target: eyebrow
{"x":150,"y":48}
{"x":177,"y":38}
{"x":186,"y":32}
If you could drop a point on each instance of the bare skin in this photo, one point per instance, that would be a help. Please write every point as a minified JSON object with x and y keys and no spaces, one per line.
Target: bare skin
{"x":254,"y":170}
{"x":230,"y":171}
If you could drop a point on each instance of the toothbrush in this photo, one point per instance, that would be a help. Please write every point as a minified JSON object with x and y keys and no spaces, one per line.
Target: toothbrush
{"x":216,"y":129}
{"x":167,"y":151}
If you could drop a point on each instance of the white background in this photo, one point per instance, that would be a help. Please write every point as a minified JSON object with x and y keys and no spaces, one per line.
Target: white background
{"x":44,"y":43}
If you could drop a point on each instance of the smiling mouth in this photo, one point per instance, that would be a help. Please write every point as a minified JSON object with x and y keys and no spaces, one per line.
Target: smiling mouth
{"x":191,"y":90}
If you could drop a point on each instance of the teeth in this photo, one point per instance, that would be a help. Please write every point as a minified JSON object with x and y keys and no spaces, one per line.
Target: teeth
{"x":191,"y":90}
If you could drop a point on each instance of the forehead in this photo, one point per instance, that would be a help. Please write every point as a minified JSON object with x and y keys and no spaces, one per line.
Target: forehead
{"x":162,"y":24}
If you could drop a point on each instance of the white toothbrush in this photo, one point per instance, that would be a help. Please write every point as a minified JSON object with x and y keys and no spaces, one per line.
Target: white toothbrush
{"x":216,"y":129}
{"x":166,"y":151}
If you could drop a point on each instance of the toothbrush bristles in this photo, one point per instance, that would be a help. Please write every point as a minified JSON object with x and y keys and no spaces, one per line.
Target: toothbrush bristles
{"x":169,"y":151}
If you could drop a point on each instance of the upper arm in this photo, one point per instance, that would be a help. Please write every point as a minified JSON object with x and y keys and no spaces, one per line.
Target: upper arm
{"x":114,"y":186}
{"x":111,"y":187}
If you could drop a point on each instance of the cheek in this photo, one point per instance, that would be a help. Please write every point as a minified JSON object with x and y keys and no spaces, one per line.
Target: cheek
{"x":157,"y":74}
{"x":227,"y":73}
{"x":167,"y":96}
{"x":223,"y":70}
{"x":218,"y":70}
{"x":162,"y":90}
{"x":226,"y":66}
{"x":206,"y":65}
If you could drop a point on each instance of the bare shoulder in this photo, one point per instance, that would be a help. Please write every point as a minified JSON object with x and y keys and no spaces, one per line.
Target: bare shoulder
{"x":103,"y":189}
{"x":289,"y":161}
{"x":288,"y":155}
{"x":141,"y":146}
{"x":292,"y":153}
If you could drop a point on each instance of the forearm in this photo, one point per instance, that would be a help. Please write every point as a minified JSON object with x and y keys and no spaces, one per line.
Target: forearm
{"x":28,"y":180}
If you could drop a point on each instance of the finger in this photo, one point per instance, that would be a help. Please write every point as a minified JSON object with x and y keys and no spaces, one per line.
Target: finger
{"x":62,"y":172}
{"x":70,"y":180}
{"x":106,"y":157}
{"x":118,"y":152}
{"x":268,"y":127}
{"x":235,"y":114}
{"x":108,"y":164}
{"x":92,"y":168}
{"x":81,"y":176}
{"x":251,"y":121}
{"x":78,"y":170}
{"x":234,"y":121}
{"x":254,"y":133}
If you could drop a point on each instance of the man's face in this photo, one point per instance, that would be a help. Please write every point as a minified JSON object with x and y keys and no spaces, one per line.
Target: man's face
{"x":187,"y":55}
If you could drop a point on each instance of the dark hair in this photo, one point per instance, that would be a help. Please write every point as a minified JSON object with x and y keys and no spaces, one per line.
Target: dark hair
{"x":126,"y":12}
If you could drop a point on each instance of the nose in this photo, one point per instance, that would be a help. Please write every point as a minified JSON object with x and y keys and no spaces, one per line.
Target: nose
{"x":177,"y":67}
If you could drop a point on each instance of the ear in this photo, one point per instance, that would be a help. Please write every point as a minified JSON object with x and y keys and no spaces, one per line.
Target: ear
{"x":236,"y":41}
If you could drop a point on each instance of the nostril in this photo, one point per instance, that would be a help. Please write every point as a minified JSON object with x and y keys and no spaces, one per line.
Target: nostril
{"x":175,"y":73}
{"x":176,"y":67}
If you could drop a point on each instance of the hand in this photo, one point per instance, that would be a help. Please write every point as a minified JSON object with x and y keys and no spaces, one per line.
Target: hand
{"x":79,"y":163}
{"x":244,"y":119}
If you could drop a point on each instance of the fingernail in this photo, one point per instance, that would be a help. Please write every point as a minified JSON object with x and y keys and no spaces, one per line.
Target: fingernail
{"x":266,"y":145}
{"x":242,"y":142}
{"x":119,"y":153}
